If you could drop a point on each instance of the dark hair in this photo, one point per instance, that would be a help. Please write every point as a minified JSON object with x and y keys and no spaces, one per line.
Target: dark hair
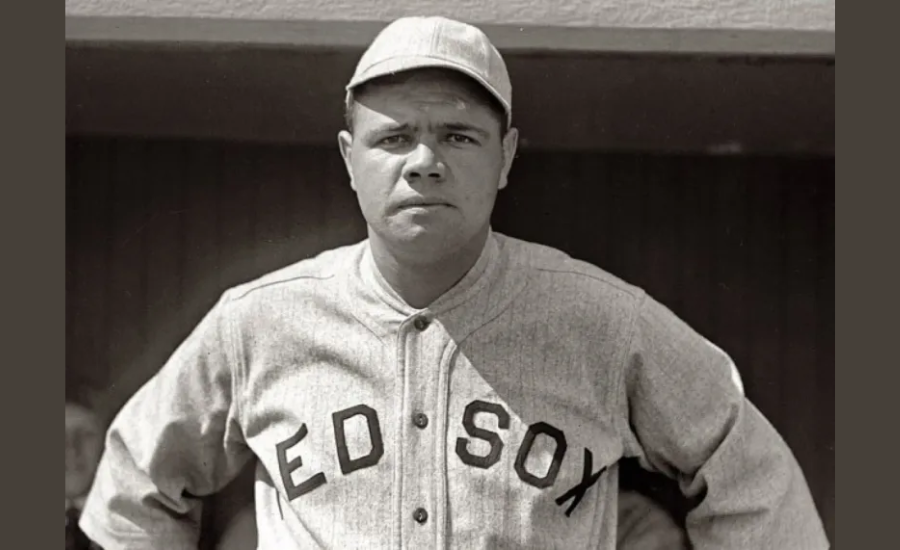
{"x":81,"y":390}
{"x":481,"y":94}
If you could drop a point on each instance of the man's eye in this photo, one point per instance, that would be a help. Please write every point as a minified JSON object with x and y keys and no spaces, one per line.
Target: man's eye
{"x":460,"y":138}
{"x":398,"y":139}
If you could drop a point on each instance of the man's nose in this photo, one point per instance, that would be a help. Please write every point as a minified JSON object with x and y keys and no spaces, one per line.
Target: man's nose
{"x":424,"y":163}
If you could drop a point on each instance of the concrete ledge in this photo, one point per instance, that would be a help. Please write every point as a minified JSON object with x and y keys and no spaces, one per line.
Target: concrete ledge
{"x":125,"y":31}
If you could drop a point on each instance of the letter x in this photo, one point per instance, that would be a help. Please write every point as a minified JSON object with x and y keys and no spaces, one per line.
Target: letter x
{"x":587,"y":480}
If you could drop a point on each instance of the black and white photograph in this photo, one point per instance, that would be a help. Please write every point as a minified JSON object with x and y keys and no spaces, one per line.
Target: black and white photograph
{"x":472,"y":275}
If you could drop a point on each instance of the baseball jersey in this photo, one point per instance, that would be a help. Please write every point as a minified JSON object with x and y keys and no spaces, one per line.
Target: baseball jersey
{"x":494,"y":418}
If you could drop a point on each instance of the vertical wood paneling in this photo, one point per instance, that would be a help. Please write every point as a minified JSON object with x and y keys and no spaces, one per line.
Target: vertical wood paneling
{"x":269,"y":216}
{"x":127,"y":261}
{"x":163,"y":254}
{"x":693,"y":264}
{"x":199,"y":241}
{"x":824,"y":427}
{"x":741,"y":248}
{"x":732,"y":316}
{"x":762,"y":363}
{"x":236,"y":216}
{"x":681,"y":269}
{"x":77,"y":334}
{"x":660,"y":225}
{"x":799,"y":290}
{"x":88,"y":333}
{"x":586,"y":201}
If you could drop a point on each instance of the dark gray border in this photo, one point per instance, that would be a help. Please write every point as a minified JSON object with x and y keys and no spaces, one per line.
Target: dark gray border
{"x":33,"y":164}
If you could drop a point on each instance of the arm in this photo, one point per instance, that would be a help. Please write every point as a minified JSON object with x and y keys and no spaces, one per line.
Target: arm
{"x":690,"y":421}
{"x":176,"y":439}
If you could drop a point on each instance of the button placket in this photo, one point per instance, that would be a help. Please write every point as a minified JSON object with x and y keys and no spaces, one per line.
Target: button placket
{"x":419,"y":447}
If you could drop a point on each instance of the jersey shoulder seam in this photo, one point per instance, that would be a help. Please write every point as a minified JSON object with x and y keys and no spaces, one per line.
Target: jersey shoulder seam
{"x":243,"y":290}
{"x":322,"y":267}
{"x":603,"y":277}
{"x":538,"y":257}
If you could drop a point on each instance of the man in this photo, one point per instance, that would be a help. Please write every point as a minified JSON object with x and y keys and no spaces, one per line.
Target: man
{"x":84,"y":443}
{"x":440,"y":384}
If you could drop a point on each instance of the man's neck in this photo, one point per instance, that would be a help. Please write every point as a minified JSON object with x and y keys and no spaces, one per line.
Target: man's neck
{"x":419,"y":283}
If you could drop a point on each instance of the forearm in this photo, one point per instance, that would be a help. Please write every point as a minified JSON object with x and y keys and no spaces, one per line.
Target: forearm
{"x":128,"y":506}
{"x":754,"y":493}
{"x":105,"y":537}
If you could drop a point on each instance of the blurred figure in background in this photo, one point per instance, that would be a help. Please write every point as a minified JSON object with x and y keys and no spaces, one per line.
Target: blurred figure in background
{"x":84,"y":445}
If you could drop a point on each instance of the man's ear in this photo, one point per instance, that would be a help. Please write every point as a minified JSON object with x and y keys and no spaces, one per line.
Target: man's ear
{"x":345,"y":144}
{"x":510,"y":144}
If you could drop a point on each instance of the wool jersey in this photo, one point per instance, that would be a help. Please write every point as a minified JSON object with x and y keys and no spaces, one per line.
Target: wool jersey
{"x":493,"y":418}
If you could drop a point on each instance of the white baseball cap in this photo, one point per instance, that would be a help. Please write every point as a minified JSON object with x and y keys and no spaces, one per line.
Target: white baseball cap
{"x":436,"y":42}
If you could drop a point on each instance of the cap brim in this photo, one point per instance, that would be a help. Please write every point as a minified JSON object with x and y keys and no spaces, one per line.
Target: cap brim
{"x":408,"y":63}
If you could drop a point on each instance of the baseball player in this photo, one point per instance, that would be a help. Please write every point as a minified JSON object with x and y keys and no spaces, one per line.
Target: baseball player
{"x":439,"y":384}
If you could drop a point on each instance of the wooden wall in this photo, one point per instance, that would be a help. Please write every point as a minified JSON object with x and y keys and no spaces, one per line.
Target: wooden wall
{"x":740,"y":247}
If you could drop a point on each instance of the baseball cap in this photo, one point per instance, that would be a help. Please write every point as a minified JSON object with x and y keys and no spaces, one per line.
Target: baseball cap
{"x":436,"y":42}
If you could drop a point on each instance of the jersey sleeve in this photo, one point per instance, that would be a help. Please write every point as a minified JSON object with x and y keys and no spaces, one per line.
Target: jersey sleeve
{"x":688,"y":419}
{"x":177,"y":439}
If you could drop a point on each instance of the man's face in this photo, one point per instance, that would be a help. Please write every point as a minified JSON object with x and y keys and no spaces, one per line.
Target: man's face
{"x":426,"y":158}
{"x":84,"y":445}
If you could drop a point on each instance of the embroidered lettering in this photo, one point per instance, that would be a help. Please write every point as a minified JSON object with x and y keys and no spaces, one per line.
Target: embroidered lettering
{"x":587,"y":480}
{"x":351,"y":465}
{"x":492,"y":438}
{"x":533,"y":431}
{"x":286,"y":468}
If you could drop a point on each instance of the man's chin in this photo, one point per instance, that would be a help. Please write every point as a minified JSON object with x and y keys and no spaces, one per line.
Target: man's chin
{"x":412,"y":229}
{"x":429,"y":240}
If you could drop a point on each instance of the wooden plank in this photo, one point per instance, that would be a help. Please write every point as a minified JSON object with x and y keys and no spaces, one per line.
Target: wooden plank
{"x":763,"y":260}
{"x":166,"y":215}
{"x":126,"y":296}
{"x":87,"y":302}
{"x":823,"y":486}
{"x":660,"y":235}
{"x":732,"y":285}
{"x":236,"y":232}
{"x":200,"y":245}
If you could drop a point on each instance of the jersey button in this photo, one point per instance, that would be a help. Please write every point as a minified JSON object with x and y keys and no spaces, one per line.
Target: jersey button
{"x":420,"y":420}
{"x":420,"y":515}
{"x":421,"y":323}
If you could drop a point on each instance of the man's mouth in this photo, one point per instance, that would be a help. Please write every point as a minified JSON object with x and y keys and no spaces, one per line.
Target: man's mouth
{"x":421,"y":204}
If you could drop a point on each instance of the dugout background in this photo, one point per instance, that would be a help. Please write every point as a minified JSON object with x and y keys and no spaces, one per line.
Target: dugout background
{"x":191,"y":170}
